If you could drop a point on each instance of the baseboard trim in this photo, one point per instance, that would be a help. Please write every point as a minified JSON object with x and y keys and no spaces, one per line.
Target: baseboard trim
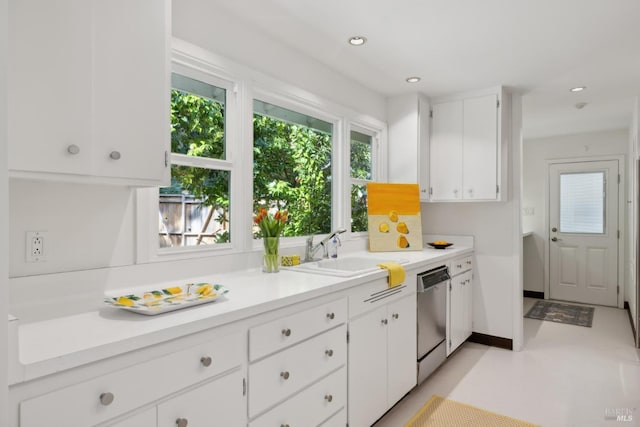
{"x":633,"y":328}
{"x":533,"y":294}
{"x":490,"y":340}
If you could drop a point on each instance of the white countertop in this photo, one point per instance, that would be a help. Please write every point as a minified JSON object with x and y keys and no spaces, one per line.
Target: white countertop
{"x":88,"y":337}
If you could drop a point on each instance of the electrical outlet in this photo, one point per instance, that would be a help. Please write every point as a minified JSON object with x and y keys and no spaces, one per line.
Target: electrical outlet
{"x":35,"y":245}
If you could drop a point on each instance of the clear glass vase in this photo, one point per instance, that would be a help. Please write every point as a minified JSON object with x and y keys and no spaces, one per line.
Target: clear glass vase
{"x":271,"y":262}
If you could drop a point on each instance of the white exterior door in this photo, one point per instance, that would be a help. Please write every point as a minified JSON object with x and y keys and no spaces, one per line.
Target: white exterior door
{"x":583,"y":222}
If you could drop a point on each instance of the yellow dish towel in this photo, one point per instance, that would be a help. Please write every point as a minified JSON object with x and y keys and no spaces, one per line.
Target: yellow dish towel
{"x":396,"y":272}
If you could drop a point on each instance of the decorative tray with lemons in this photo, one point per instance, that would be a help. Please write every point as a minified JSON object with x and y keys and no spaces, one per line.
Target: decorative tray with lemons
{"x":440,"y":244}
{"x":169,"y":299}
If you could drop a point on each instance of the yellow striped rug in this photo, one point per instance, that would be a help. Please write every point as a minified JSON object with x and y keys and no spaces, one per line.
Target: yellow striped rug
{"x":441,"y":412}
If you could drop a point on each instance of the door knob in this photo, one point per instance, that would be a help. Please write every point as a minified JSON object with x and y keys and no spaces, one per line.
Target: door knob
{"x":554,"y":229}
{"x":555,"y":239}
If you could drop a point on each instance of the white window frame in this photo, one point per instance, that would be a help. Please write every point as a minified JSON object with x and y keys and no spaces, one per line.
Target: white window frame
{"x":147,"y":200}
{"x":319,"y":111}
{"x":376,"y":173}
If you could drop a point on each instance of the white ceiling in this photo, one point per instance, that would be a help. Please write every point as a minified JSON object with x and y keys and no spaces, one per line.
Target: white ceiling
{"x":539,"y":47}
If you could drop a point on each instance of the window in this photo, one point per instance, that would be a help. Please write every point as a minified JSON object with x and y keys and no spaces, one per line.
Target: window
{"x":194,"y":210}
{"x":292,"y":167}
{"x":362,"y":171}
{"x":582,"y":202}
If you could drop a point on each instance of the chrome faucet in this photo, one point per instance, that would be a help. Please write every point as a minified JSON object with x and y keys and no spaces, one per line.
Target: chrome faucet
{"x":311,"y":249}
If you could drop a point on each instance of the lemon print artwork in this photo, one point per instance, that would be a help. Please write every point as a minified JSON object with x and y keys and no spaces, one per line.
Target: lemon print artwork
{"x":402,"y":228}
{"x":394,"y":217}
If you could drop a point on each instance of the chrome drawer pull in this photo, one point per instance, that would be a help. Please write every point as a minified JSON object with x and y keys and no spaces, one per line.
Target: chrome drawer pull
{"x":73,"y":149}
{"x":328,"y":398}
{"x":384,"y":321}
{"x":331,"y":316}
{"x":285,"y":425}
{"x":395,"y":315}
{"x":182,"y":422}
{"x":107,"y":398}
{"x":115,"y":155}
{"x":206,"y":361}
{"x":286,"y":332}
{"x":285,"y":375}
{"x":329,"y":353}
{"x":458,"y":265}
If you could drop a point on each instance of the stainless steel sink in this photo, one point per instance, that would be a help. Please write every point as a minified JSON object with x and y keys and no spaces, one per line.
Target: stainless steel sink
{"x":344,"y":267}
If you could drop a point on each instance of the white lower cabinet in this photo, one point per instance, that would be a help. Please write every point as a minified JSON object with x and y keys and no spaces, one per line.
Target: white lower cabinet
{"x":297,"y":367}
{"x":218,"y":403}
{"x":382,"y":356}
{"x":460,"y":304}
{"x":98,"y":400}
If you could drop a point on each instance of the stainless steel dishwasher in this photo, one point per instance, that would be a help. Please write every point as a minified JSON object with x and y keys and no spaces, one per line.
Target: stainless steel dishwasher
{"x":432,"y":320}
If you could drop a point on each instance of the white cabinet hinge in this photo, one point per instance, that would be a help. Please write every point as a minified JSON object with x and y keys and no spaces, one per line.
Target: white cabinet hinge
{"x":618,"y":289}
{"x":166,"y":158}
{"x":497,"y":189}
{"x":618,"y":178}
{"x":431,"y":114}
{"x":497,"y":103}
{"x":449,"y":343}
{"x":347,"y":337}
{"x":244,"y":386}
{"x":618,"y":234}
{"x":431,"y":191}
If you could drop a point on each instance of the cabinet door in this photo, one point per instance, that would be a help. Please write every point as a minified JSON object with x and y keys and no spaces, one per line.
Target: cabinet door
{"x":446,"y":151}
{"x":401,"y":348}
{"x":49,"y":86}
{"x":467,"y":291}
{"x":367,"y":373}
{"x":457,"y":313}
{"x":142,"y":419}
{"x":480,"y":148}
{"x":132,"y":90}
{"x":219,"y":403}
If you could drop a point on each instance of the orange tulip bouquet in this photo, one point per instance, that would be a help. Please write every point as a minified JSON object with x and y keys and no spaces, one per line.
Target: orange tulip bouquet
{"x":271,"y":226}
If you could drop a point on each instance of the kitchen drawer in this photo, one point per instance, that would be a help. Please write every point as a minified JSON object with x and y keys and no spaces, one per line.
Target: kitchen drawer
{"x":462,"y":264}
{"x":337,"y":420}
{"x":216,"y":403}
{"x":376,"y":293}
{"x":312,"y":406}
{"x":277,"y":377}
{"x":280,"y":333}
{"x":88,"y":403}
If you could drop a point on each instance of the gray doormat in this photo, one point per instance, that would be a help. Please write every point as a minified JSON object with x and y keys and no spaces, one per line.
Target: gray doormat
{"x":562,"y":313}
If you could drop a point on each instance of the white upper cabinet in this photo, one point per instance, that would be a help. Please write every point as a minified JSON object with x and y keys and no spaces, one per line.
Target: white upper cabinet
{"x":409,"y":141}
{"x":89,"y":90}
{"x":466,"y":148}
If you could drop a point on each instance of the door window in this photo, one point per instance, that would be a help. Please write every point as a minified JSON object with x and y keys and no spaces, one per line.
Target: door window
{"x":582,"y":202}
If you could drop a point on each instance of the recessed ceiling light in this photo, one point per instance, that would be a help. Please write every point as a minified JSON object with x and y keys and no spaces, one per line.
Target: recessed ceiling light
{"x":578,"y":88}
{"x":413,"y":79}
{"x":357,"y":40}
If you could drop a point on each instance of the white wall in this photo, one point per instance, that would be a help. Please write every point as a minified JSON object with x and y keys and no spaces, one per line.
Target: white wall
{"x":535,"y":154}
{"x":4,"y":197}
{"x":496,"y":228}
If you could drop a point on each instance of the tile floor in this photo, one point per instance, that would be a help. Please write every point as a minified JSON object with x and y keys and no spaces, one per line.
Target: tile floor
{"x":565,"y":376}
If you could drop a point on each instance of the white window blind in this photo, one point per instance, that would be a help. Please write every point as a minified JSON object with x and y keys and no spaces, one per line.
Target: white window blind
{"x":582,"y":202}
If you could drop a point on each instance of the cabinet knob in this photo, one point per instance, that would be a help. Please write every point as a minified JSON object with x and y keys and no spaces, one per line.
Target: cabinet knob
{"x":384,"y":321}
{"x":286,"y":332}
{"x":468,"y":262}
{"x":285,"y":425}
{"x":73,"y":149}
{"x":107,"y":398}
{"x":395,"y":315}
{"x":182,"y":422}
{"x":328,"y":397}
{"x":329,"y":352}
{"x":284,"y":375}
{"x":206,"y":361}
{"x":331,"y":316}
{"x":115,"y":155}
{"x":458,"y":265}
